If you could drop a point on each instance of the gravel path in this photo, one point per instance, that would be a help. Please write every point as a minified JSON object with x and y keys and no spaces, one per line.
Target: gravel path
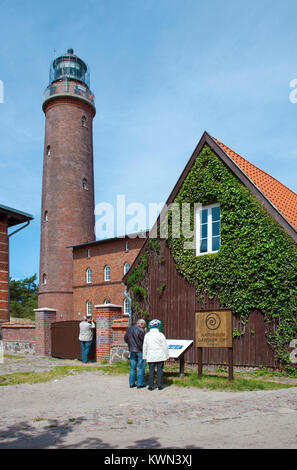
{"x":92,"y":410}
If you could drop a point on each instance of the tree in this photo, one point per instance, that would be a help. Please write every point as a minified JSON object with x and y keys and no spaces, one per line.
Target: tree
{"x":23,"y":297}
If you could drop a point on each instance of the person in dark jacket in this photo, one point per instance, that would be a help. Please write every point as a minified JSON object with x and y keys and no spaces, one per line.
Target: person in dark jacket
{"x":134,"y":337}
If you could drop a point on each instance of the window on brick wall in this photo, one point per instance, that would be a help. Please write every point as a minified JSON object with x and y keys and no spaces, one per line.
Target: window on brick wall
{"x":89,"y":275}
{"x":106,"y":301}
{"x":127,"y":245}
{"x":126,"y":268}
{"x":107,"y":273}
{"x":44,"y":279}
{"x":85,"y":183}
{"x":126,"y":307}
{"x":89,"y":307}
{"x":84,"y":121}
{"x":46,"y":216}
{"x":48,"y":150}
{"x":89,"y":253}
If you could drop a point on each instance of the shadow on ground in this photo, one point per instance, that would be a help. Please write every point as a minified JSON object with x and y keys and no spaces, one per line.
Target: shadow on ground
{"x":26,"y":436}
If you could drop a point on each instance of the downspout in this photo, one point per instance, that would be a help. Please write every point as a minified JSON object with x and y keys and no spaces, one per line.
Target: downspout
{"x":10,"y":235}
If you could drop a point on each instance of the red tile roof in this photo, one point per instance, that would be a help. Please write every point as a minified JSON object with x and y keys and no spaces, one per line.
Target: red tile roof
{"x":283,"y":198}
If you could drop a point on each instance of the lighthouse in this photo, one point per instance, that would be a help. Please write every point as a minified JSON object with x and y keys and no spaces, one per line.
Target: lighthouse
{"x":67,"y":213}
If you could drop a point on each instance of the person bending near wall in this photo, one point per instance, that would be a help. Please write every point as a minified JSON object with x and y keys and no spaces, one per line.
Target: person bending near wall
{"x":134,"y":338}
{"x":155,"y":352}
{"x":86,"y":329}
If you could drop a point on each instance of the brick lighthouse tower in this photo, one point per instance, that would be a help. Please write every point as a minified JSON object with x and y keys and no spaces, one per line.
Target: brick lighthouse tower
{"x":67,"y":216}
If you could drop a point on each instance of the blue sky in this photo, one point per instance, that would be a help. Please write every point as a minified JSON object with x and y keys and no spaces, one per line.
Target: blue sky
{"x":163,"y":71}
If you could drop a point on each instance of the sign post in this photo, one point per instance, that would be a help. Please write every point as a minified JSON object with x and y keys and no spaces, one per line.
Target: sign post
{"x":214,"y":330}
{"x":177,"y":349}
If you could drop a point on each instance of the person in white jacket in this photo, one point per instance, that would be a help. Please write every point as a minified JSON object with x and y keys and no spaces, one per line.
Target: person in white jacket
{"x":155,"y":352}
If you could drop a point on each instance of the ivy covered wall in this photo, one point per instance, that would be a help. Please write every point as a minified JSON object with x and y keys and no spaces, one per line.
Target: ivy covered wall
{"x":256,"y":266}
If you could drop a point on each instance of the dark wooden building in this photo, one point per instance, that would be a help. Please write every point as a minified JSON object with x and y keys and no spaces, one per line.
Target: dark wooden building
{"x":243,"y":257}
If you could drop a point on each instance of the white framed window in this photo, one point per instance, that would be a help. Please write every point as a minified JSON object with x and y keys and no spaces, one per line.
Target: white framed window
{"x":106,"y":301}
{"x":126,"y":268}
{"x":89,"y":307}
{"x":107,"y":273}
{"x":126,"y":307}
{"x":208,"y":229}
{"x":89,"y":275}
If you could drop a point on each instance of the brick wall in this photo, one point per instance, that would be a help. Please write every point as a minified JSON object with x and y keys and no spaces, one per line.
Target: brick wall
{"x":4,"y":257}
{"x":107,"y":252}
{"x":44,"y":317}
{"x":19,"y":337}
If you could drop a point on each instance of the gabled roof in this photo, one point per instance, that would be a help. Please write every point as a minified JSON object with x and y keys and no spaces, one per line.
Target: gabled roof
{"x":283,"y":198}
{"x":279,"y":200}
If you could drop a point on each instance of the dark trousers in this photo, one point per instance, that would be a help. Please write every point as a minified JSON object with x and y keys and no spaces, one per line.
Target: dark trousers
{"x":152,"y":367}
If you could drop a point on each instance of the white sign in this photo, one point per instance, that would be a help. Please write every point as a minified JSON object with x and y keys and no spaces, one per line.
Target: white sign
{"x":177,"y":347}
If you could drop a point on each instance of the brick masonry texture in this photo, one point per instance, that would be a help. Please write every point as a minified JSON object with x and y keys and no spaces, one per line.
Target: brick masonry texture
{"x":105,"y":316}
{"x":20,"y":332}
{"x":4,"y":270}
{"x":112,"y":253}
{"x":69,"y":207}
{"x":43,"y":321}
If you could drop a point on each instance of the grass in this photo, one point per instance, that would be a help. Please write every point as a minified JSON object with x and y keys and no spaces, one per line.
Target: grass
{"x":216,"y":379}
{"x":12,"y":356}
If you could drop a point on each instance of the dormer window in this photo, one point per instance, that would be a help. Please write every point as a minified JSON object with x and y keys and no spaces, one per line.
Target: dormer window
{"x":208,"y":229}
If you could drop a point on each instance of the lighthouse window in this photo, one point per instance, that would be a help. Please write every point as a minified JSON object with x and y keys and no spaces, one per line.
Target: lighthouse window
{"x":84,"y":184}
{"x":46,"y":216}
{"x":48,"y":150}
{"x":44,"y":279}
{"x":89,"y":275}
{"x":107,"y":273}
{"x":84,"y":121}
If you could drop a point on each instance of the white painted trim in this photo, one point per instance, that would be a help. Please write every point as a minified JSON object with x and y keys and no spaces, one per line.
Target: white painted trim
{"x":209,"y":228}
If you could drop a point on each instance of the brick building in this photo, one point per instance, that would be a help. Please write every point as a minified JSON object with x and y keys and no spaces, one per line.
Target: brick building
{"x":8,"y":218}
{"x":98,"y":269}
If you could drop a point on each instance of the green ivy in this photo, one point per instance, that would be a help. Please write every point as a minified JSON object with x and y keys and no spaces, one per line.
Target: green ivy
{"x":256,"y":266}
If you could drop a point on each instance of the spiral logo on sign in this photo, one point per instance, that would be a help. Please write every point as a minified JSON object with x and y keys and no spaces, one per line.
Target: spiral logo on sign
{"x":213,"y":321}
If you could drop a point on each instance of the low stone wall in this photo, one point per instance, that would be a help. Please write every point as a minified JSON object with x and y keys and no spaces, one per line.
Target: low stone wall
{"x":19,"y":337}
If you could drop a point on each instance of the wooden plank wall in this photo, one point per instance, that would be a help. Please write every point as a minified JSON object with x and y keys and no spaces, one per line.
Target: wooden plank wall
{"x":176,"y":306}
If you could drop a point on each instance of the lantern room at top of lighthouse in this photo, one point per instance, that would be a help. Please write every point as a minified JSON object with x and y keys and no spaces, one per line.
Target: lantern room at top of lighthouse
{"x":69,"y":66}
{"x":69,"y":75}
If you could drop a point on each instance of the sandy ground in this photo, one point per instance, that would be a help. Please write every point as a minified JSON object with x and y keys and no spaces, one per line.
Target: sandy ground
{"x":92,"y":410}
